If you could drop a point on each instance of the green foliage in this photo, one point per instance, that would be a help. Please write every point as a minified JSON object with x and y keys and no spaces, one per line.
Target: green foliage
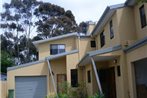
{"x":66,"y":91}
{"x":97,"y":95}
{"x":6,"y":61}
{"x":141,"y":1}
{"x":21,"y":18}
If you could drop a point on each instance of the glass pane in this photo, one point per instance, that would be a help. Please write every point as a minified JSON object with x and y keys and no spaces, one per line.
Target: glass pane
{"x":61,"y":46}
{"x":54,"y":51}
{"x":61,"y":50}
{"x":54,"y":47}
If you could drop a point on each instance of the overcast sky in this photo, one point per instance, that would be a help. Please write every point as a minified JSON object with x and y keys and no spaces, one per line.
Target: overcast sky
{"x":83,"y":10}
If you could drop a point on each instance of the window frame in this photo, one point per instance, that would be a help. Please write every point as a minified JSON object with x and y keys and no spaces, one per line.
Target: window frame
{"x":58,"y":52}
{"x":111,"y":29}
{"x":89,"y":76}
{"x":93,"y":43}
{"x":74,"y":82}
{"x":143,"y":19}
{"x":102,"y":38}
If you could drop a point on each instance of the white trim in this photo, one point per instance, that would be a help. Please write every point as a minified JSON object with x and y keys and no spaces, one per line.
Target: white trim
{"x":53,"y":80}
{"x":55,"y":38}
{"x":97,"y":76}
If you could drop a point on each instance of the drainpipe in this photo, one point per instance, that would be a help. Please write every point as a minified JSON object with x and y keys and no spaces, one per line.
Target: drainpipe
{"x":53,"y":81}
{"x":96,"y":75}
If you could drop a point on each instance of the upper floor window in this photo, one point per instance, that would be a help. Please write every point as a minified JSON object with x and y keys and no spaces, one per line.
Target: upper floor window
{"x":142,"y":16}
{"x":93,"y":44}
{"x":57,"y":48}
{"x":111,"y":30}
{"x":102,"y":39}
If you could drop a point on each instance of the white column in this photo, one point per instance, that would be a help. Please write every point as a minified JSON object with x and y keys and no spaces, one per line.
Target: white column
{"x":96,"y":75}
{"x":53,"y":81}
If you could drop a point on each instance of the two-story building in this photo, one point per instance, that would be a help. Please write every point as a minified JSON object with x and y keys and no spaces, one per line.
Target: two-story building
{"x":111,"y":59}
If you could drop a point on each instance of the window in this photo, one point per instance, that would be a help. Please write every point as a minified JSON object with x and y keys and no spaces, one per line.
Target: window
{"x":93,"y":44}
{"x":102,"y":39}
{"x":74,"y":78}
{"x":89,"y":76}
{"x":118,"y":71}
{"x":111,"y":30}
{"x":56,"y":49}
{"x":142,"y":16}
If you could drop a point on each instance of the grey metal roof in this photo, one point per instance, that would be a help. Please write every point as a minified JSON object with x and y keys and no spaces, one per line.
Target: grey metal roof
{"x":3,"y":77}
{"x":130,"y":2}
{"x":136,"y":45}
{"x":24,"y":65}
{"x":98,"y":52}
{"x":109,"y":11}
{"x":55,"y":38}
{"x":61,"y":54}
{"x":37,"y":62}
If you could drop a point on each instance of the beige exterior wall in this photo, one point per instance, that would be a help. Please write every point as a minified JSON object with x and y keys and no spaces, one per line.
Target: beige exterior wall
{"x":109,"y":42}
{"x":3,"y":89}
{"x":126,"y":25}
{"x":71,"y":62}
{"x":85,"y":46}
{"x":90,"y":28}
{"x":133,"y":56}
{"x":121,"y":81}
{"x":44,"y":48}
{"x":40,"y":69}
{"x":141,"y":32}
{"x":89,"y":86}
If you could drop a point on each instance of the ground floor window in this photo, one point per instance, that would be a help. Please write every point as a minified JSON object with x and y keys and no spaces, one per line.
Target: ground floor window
{"x":74,"y":78}
{"x":89,"y":76}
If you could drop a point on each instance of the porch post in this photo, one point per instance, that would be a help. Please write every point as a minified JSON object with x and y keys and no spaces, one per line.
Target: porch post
{"x":96,"y":75}
{"x":53,"y":81}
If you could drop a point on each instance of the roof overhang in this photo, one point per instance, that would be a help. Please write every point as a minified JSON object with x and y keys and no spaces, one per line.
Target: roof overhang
{"x":25,"y":65}
{"x":136,"y":45}
{"x":99,"y":55}
{"x":108,"y":13}
{"x":41,"y":61}
{"x":130,"y":2}
{"x":61,"y":55}
{"x":36,"y":43}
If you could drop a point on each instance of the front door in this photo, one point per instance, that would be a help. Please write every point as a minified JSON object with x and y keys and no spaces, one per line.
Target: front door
{"x":107,"y":79}
{"x":61,"y":79}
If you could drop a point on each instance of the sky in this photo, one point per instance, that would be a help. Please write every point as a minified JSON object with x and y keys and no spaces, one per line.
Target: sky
{"x":83,"y":10}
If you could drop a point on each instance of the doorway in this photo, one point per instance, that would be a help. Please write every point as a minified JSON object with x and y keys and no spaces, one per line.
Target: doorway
{"x":107,"y":79}
{"x":61,"y":80}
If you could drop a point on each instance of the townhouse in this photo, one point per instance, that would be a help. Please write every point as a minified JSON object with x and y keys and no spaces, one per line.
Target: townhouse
{"x":111,"y":59}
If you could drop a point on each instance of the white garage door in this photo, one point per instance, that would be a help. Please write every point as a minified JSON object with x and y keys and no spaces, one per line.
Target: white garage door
{"x":31,"y":87}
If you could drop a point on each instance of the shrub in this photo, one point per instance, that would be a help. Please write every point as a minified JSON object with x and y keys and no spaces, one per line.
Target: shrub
{"x":97,"y":95}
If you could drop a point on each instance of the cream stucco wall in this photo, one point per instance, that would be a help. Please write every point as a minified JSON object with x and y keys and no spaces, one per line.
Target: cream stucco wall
{"x":126,"y":25}
{"x":40,"y":69}
{"x":133,"y":56}
{"x":89,"y":86}
{"x":85,"y":46}
{"x":71,"y":62}
{"x":141,"y":32}
{"x":44,"y":48}
{"x":109,"y":42}
{"x":3,"y":89}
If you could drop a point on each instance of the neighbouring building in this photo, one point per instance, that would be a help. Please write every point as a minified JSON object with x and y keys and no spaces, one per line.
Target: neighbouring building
{"x":112,"y":59}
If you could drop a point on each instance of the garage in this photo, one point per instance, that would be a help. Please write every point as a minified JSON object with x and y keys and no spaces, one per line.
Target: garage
{"x":31,"y":87}
{"x":141,"y":78}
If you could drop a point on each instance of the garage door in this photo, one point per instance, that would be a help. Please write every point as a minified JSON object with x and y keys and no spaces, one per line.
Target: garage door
{"x":141,"y":78}
{"x":31,"y":87}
